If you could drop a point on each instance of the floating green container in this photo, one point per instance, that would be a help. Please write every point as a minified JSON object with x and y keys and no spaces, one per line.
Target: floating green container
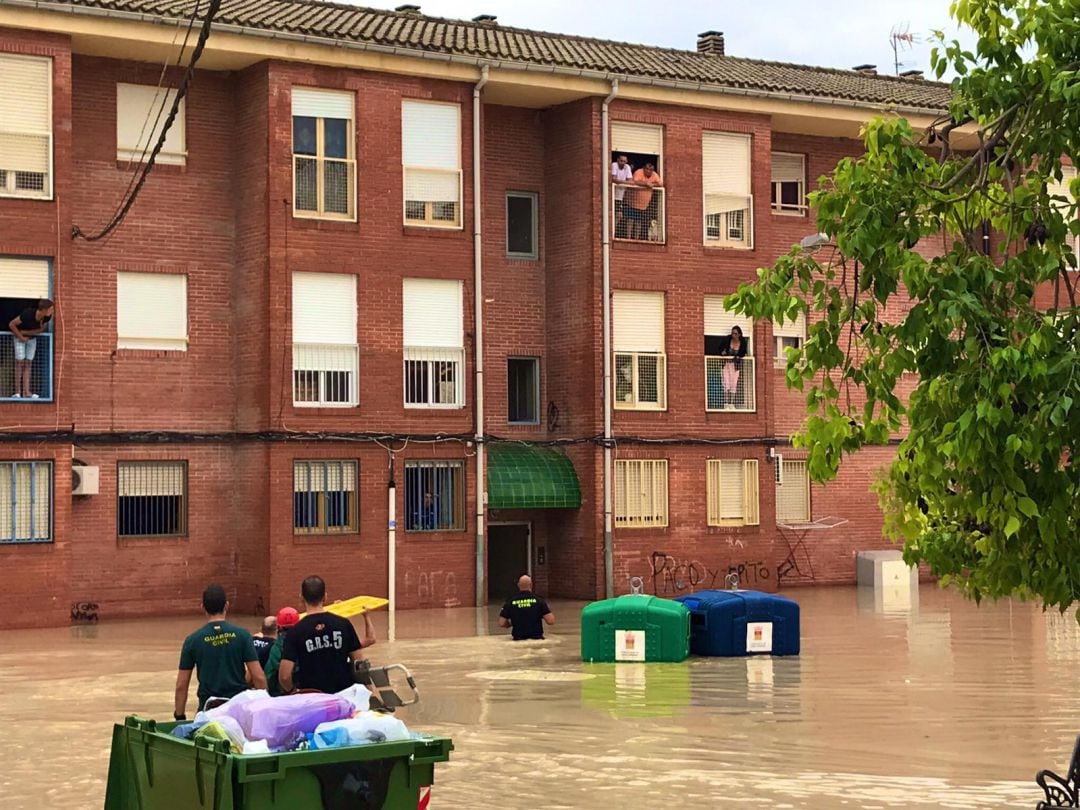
{"x":149,"y":769}
{"x":635,"y":628}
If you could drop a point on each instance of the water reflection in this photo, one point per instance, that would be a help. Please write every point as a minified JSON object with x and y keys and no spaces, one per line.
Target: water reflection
{"x":928,"y":702}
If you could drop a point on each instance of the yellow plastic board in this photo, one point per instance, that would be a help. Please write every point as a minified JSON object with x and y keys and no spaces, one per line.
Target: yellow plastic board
{"x":355,"y":606}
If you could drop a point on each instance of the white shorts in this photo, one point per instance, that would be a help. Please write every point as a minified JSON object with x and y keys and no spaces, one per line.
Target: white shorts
{"x":25,"y":351}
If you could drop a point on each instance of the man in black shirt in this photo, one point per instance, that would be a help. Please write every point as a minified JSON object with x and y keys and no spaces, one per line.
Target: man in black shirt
{"x":265,"y":639}
{"x":31,"y":322}
{"x":526,"y":612}
{"x":322,"y":646}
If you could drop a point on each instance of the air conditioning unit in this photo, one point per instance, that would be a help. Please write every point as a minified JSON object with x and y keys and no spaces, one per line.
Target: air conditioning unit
{"x":84,"y":480}
{"x":778,"y":461}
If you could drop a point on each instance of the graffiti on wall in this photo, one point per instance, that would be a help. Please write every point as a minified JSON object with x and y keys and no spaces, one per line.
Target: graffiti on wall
{"x":84,"y":612}
{"x":750,"y":572}
{"x":432,"y":588}
{"x":673,"y":575}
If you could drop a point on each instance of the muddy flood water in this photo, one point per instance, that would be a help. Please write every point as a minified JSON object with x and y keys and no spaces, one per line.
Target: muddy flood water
{"x":930,"y":702}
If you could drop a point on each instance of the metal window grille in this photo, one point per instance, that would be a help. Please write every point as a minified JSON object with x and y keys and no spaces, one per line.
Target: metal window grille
{"x":432,"y":197}
{"x":639,"y":214}
{"x":641,"y":492}
{"x":151,"y":498}
{"x":641,"y":381}
{"x":41,"y":368}
{"x":732,"y":492}
{"x":325,"y":497}
{"x":729,"y":384}
{"x":26,"y":501}
{"x":434,"y":378}
{"x":325,"y":375}
{"x":324,"y":167}
{"x":793,"y":496}
{"x":434,"y":496}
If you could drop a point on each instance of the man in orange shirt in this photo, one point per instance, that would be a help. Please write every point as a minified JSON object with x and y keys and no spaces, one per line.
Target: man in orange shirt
{"x":641,"y":211}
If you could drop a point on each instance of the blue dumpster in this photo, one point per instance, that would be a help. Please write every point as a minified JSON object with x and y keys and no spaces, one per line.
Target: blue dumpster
{"x":742,"y":623}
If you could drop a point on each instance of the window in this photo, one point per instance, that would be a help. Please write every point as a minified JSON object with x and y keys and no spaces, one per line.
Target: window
{"x":788,"y":183}
{"x":641,"y":493}
{"x":521,"y":225}
{"x":25,"y":126}
{"x":725,"y":178}
{"x":151,"y":311}
{"x":523,"y":390}
{"x":434,"y":496}
{"x":141,"y":112}
{"x":434,"y":343}
{"x":325,"y":497}
{"x":431,"y":163}
{"x":732,"y":492}
{"x":325,"y":353}
{"x":793,"y":495}
{"x":324,"y":154}
{"x":640,"y":363}
{"x":789,"y":335}
{"x":638,"y":214}
{"x":729,"y":370}
{"x":151,"y":498}
{"x":1056,"y":189}
{"x":25,"y":501}
{"x":23,"y":282}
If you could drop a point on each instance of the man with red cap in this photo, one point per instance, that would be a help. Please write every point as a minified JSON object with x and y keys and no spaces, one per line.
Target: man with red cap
{"x":287,"y":617}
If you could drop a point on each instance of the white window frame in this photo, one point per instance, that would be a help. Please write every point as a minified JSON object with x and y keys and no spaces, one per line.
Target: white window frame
{"x":434,"y":361}
{"x":636,"y":403}
{"x":535,"y":199}
{"x":9,"y":511}
{"x":430,"y":220}
{"x":151,"y":122}
{"x":729,"y":222}
{"x":316,"y":365}
{"x":791,"y":331}
{"x":795,"y":474}
{"x":321,"y":160}
{"x":778,"y":207}
{"x":158,"y":343}
{"x":9,"y":177}
{"x":716,"y":497}
{"x":633,"y":504}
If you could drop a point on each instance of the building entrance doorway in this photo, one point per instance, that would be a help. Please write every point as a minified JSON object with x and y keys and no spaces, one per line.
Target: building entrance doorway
{"x":509,"y":556}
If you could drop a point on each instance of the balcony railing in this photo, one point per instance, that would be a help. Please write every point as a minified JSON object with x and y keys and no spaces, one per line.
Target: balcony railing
{"x":325,"y":375}
{"x":637,"y":213}
{"x":729,"y":221}
{"x":38,"y":386}
{"x":434,"y":377}
{"x":729,"y":384}
{"x":640,"y":381}
{"x":323,"y":187}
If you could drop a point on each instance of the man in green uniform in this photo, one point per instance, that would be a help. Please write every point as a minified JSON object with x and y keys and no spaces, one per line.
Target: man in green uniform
{"x":223,"y":654}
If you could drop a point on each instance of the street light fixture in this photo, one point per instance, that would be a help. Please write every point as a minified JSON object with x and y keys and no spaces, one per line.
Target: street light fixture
{"x":814,"y":242}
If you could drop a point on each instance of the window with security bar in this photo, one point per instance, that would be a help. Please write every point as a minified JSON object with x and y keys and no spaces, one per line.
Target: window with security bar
{"x":433,"y":337}
{"x":793,"y":495}
{"x":640,"y":380}
{"x":325,"y":354}
{"x":641,"y":493}
{"x":26,"y":501}
{"x":26,"y":138}
{"x":788,"y":183}
{"x":640,"y":363}
{"x":434,"y":496}
{"x":324,"y":154}
{"x":728,"y":202}
{"x":431,"y":163}
{"x":151,"y":498}
{"x":732,"y":492}
{"x":325,"y":497}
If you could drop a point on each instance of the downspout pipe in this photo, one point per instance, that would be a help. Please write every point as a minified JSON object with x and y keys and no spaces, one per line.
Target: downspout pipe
{"x":605,"y":258}
{"x":478,"y":329}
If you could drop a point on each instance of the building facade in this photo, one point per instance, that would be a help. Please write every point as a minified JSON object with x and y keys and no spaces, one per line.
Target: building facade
{"x":272,"y":366}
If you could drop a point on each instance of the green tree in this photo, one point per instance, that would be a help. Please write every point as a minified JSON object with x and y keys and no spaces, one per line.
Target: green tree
{"x":984,"y":486}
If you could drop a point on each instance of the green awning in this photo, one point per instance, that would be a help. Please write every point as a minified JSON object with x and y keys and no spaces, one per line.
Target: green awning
{"x":525,"y":477}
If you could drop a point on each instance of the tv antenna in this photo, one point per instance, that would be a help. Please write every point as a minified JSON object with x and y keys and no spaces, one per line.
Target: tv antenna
{"x":901,"y":39}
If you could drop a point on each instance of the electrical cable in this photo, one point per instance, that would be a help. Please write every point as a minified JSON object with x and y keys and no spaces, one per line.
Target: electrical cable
{"x":181,"y":92}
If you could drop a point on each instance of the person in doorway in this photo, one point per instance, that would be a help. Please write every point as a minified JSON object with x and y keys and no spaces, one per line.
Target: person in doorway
{"x":265,"y":638}
{"x":641,"y":210}
{"x":221,"y":653}
{"x":323,"y":646}
{"x":526,"y":612}
{"x":30,"y":323}
{"x":734,"y":351}
{"x":287,"y":618}
{"x":621,"y":175}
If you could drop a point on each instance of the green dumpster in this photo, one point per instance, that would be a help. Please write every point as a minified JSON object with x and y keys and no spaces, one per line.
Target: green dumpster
{"x":637,"y":627}
{"x":149,"y":769}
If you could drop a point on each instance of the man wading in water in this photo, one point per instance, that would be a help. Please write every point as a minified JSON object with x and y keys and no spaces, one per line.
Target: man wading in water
{"x":526,"y":612}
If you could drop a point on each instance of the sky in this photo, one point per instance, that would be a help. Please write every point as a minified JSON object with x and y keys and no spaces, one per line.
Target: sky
{"x":829,"y":33}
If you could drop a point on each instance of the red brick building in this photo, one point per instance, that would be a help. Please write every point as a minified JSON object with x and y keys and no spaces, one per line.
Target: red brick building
{"x":285,"y":321}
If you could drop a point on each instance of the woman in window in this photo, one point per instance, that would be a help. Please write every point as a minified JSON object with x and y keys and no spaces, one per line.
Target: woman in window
{"x":735,"y":350}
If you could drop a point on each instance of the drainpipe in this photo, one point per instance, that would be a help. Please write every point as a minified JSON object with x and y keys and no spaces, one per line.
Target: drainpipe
{"x":478,"y":316}
{"x":605,"y":242}
{"x":391,"y":554}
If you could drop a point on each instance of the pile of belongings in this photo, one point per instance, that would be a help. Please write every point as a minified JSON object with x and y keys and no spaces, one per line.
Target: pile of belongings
{"x":255,"y":723}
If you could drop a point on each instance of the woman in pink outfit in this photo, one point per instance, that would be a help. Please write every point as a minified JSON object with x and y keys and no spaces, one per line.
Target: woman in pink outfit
{"x":735,"y":350}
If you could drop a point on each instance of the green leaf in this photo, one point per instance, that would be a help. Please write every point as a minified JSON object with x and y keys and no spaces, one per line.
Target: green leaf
{"x":1012,"y":525}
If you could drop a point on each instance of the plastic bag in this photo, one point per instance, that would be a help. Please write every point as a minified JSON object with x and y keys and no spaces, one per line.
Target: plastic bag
{"x":365,"y":728}
{"x":230,"y":708}
{"x":224,"y":728}
{"x":280,"y":721}
{"x":359,"y":696}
